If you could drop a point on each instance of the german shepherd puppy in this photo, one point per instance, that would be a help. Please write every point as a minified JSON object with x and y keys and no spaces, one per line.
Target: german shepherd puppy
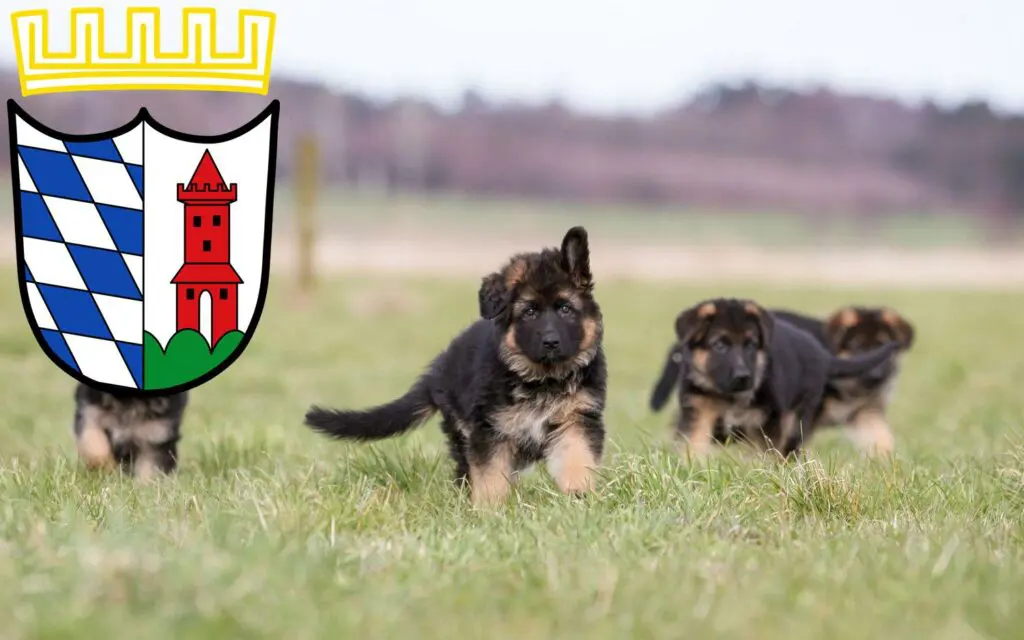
{"x":138,"y":435}
{"x":526,"y":382}
{"x":743,"y":373}
{"x":859,"y":403}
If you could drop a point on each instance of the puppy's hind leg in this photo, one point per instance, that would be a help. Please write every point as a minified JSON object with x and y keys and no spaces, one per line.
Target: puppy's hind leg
{"x":156,"y":448}
{"x":871,"y":433}
{"x":779,"y":432}
{"x":457,"y":446}
{"x":800,"y":431}
{"x":152,"y":461}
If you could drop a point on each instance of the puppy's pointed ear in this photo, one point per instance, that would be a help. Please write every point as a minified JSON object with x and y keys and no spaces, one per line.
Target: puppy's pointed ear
{"x":493,"y":296}
{"x":839,"y":323}
{"x":902,"y":327}
{"x":692,"y":324}
{"x":576,"y":256}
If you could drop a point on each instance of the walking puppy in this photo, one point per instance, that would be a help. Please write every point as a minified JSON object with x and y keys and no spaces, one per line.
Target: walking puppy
{"x":859,"y":403}
{"x":743,"y":373}
{"x":526,"y":382}
{"x":138,"y":435}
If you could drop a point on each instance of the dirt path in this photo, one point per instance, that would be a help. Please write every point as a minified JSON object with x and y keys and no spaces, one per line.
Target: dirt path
{"x":945,"y":268}
{"x":616,"y":259}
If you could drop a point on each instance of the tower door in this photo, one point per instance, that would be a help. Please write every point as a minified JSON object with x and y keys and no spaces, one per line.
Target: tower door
{"x":206,"y":315}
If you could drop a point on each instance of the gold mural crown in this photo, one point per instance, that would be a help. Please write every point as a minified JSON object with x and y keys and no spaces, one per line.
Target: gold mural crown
{"x":145,"y":63}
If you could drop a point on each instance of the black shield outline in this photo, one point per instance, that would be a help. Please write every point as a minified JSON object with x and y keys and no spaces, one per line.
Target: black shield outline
{"x":272,"y":111}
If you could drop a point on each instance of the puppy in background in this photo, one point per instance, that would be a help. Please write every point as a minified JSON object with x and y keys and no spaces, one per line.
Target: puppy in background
{"x":743,"y":372}
{"x":859,"y":404}
{"x":138,"y":435}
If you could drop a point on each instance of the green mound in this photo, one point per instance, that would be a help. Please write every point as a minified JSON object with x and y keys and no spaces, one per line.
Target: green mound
{"x":186,"y":358}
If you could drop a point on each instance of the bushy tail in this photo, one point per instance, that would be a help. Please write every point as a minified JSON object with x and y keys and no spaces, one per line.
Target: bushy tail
{"x":859,"y":365}
{"x":669,"y":378}
{"x":384,"y":421}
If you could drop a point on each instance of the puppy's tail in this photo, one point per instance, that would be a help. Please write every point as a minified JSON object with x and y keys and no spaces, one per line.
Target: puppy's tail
{"x":859,"y":365}
{"x":386,"y":420}
{"x":669,"y":377}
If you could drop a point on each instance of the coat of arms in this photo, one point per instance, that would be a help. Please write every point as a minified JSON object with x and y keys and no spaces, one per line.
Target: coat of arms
{"x":143,"y":252}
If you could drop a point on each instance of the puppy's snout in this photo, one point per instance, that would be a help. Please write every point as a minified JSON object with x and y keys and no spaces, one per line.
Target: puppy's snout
{"x":876,"y":376}
{"x":550,"y":341}
{"x":741,"y":382}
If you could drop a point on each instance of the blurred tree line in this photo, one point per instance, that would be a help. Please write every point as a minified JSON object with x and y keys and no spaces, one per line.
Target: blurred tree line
{"x":735,"y":146}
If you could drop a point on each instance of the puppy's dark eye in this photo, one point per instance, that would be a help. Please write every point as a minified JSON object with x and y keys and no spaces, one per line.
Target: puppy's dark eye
{"x":565,"y":308}
{"x":530,"y":313}
{"x":749,"y":344}
{"x":720,"y":346}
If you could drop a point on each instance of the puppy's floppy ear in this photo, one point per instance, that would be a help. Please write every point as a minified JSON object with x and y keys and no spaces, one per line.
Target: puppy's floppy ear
{"x":765,"y":323}
{"x":839,"y":323}
{"x":692,"y":324}
{"x":576,"y":256}
{"x":902,"y":327}
{"x":493,"y":296}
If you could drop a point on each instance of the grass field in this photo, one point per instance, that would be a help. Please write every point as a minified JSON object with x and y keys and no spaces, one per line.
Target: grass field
{"x":368,"y":214}
{"x":271,"y":531}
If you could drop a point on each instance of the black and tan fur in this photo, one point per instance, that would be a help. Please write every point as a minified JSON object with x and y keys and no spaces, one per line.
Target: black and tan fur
{"x":859,"y":404}
{"x":524,"y":383}
{"x":743,"y":373}
{"x":137,"y":435}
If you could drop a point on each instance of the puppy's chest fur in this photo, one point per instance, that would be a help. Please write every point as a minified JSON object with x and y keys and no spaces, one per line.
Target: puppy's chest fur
{"x":735,"y":417}
{"x":131,"y":422}
{"x":740,"y":414}
{"x":533,"y":415}
{"x":840,"y":409}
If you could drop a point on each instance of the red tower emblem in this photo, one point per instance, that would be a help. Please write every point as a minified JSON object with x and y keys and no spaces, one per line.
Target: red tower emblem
{"x":207,"y":268}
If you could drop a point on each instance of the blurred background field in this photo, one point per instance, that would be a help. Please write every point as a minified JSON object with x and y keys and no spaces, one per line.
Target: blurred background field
{"x":802,"y":154}
{"x":743,"y":144}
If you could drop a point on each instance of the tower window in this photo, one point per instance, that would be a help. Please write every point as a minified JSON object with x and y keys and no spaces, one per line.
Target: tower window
{"x":206,"y":245}
{"x":190,"y":294}
{"x":197,"y":221}
{"x":223,"y":294}
{"x":216,"y":221}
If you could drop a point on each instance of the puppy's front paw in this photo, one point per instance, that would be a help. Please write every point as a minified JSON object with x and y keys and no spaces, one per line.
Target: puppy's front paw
{"x":94,"y":449}
{"x":694,"y":452}
{"x":575,"y":480}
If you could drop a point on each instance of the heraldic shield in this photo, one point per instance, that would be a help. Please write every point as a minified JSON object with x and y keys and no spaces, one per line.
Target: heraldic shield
{"x":143,"y":252}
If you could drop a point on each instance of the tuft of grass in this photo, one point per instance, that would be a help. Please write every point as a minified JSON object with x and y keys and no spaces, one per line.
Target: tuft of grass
{"x":270,"y":531}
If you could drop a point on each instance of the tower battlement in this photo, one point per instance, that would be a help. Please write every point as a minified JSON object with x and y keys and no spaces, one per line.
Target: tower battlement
{"x":207,"y":194}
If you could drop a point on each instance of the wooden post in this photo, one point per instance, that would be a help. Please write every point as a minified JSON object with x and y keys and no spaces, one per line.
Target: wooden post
{"x":307,"y":183}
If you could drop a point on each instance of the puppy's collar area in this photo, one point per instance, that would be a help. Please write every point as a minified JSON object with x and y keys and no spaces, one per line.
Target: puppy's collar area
{"x":744,"y":398}
{"x":532,"y":372}
{"x":558,"y":385}
{"x":537,"y":374}
{"x":740,"y":399}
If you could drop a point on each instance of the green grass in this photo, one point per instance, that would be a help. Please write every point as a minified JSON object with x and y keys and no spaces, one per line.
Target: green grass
{"x":271,"y":531}
{"x":369,"y":213}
